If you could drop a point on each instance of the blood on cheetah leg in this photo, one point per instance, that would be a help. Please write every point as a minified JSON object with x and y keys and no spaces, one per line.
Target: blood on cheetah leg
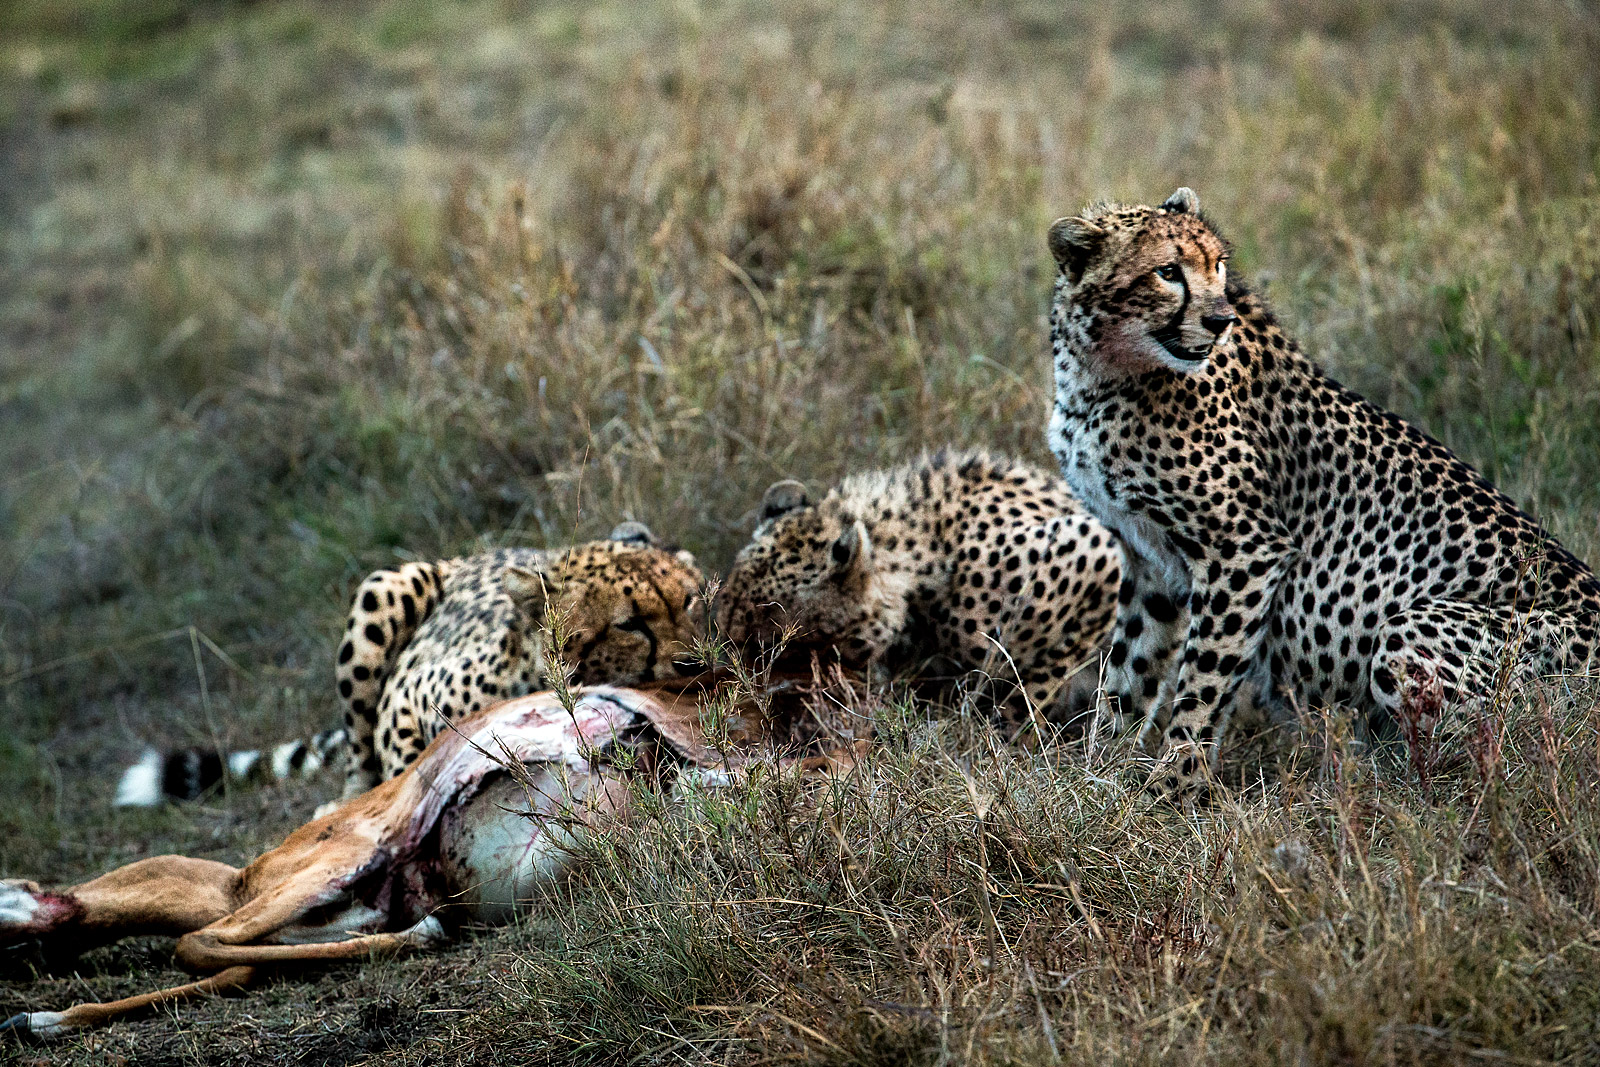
{"x":1437,"y":656}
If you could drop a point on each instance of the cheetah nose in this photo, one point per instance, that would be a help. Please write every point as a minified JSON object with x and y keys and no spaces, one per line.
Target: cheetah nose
{"x":1217,"y":323}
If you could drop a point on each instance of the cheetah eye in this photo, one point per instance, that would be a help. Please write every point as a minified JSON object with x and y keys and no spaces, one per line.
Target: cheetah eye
{"x":1169,"y":273}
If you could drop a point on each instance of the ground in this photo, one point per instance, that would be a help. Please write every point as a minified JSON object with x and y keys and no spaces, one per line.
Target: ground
{"x":289,"y":291}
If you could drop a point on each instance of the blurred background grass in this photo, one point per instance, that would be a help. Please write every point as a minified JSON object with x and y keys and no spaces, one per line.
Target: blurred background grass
{"x":290,"y":290}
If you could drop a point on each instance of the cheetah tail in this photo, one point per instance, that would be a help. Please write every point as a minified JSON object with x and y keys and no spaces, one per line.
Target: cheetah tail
{"x":188,"y":773}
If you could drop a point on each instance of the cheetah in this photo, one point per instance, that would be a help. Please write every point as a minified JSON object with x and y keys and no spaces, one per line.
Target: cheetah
{"x":1286,"y":542}
{"x":427,"y":643}
{"x":986,"y":561}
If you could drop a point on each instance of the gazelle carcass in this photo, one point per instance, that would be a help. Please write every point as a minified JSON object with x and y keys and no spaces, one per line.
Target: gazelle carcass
{"x":490,"y":809}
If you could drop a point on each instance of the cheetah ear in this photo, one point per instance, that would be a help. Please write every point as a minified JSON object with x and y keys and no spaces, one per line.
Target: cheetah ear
{"x":530,"y":591}
{"x":852,"y":552}
{"x":1182,"y":202}
{"x":782,"y":498}
{"x":1073,"y":243}
{"x":634,"y":533}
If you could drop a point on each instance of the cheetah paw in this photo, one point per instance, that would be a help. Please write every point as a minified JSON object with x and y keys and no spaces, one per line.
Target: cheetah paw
{"x":1183,"y":771}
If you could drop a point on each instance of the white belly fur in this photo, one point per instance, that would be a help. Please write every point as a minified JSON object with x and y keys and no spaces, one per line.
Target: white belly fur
{"x":499,"y":848}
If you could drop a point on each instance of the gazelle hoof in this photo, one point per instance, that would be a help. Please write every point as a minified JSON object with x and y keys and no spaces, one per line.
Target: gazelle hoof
{"x":34,"y":1026}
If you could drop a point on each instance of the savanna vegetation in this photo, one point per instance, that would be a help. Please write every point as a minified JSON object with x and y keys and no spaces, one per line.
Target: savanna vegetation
{"x":290,"y":290}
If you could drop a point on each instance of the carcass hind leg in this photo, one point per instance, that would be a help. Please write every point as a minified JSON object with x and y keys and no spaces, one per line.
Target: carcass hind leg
{"x":204,"y":951}
{"x":159,"y":895}
{"x":46,"y":1025}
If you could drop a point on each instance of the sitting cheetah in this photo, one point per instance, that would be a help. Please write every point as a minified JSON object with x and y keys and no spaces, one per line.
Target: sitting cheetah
{"x":987,"y":561}
{"x":1285,"y":540}
{"x":428,"y":643}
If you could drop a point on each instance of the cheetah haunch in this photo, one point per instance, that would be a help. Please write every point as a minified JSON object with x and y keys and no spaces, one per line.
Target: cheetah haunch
{"x":1283,"y":537}
{"x":986,"y":561}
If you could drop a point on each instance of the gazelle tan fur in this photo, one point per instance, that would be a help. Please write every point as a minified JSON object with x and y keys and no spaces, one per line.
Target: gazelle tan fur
{"x":373,"y":877}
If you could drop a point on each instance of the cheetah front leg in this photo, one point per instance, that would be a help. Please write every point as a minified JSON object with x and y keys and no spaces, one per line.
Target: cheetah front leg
{"x":385,"y":612}
{"x":1064,"y":681}
{"x":1152,"y":615}
{"x":1229,"y":610}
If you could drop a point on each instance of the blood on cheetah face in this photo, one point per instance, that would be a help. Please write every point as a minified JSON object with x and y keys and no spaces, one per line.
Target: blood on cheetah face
{"x":628,"y":614}
{"x":1142,"y":288}
{"x":806,"y":578}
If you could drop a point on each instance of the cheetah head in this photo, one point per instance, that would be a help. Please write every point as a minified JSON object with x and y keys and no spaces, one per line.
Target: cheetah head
{"x":1140,"y":288}
{"x":631,"y":610}
{"x":808,"y":577}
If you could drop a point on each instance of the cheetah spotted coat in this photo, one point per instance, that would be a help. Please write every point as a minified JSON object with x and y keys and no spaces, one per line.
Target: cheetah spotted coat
{"x":1285,"y":539}
{"x":429,"y":643}
{"x":985,"y":561}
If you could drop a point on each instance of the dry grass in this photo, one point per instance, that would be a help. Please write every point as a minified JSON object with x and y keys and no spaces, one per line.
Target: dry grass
{"x":958,"y":901}
{"x":288,"y":290}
